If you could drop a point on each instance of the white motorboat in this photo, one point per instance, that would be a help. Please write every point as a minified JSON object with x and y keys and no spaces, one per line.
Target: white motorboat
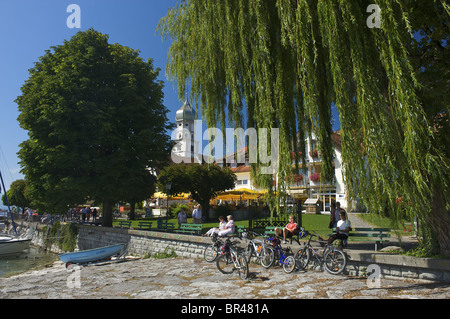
{"x":13,"y":245}
{"x":10,"y":246}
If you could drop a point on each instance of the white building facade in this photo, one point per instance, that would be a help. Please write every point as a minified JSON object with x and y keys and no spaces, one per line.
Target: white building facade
{"x":309,"y":182}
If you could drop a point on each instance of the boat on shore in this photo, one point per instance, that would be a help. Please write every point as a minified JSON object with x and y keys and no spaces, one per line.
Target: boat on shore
{"x":93,"y":255}
{"x":10,"y":246}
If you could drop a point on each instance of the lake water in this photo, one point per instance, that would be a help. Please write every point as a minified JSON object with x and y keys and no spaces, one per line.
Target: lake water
{"x":31,"y":258}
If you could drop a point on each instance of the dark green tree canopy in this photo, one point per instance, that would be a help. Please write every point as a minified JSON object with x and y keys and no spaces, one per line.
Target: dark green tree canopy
{"x":283,"y":63}
{"x":96,"y":124}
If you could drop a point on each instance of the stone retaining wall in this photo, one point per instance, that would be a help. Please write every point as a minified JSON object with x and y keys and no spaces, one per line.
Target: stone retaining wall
{"x":142,"y":242}
{"x":392,"y":265}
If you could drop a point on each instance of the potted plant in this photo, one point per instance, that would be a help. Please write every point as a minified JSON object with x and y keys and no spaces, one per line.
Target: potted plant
{"x":314,"y":153}
{"x":314,"y":177}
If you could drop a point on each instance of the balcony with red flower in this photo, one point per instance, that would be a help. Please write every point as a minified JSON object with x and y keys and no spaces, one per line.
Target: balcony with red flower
{"x":314,"y":177}
{"x":314,"y":153}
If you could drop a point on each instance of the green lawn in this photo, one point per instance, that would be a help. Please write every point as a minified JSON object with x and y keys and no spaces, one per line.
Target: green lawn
{"x":384,"y":222}
{"x":318,"y":223}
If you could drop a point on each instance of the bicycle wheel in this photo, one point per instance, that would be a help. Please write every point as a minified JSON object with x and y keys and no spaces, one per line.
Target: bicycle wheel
{"x":267,"y":256}
{"x":210,"y":253}
{"x":225,"y":264}
{"x":335,"y":261}
{"x":249,"y":252}
{"x":302,"y":257}
{"x":289,"y":264}
{"x":243,"y":266}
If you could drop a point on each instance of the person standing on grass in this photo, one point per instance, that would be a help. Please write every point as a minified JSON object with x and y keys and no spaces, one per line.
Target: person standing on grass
{"x":197,"y":215}
{"x":182,"y":217}
{"x":334,"y":214}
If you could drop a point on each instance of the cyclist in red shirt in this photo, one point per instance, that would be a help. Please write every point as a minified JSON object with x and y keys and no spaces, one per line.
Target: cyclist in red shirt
{"x":289,"y":230}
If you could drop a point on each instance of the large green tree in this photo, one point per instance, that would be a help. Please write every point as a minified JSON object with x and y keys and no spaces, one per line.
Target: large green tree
{"x":283,"y":63}
{"x":17,"y":195}
{"x":96,"y":124}
{"x":203,"y":182}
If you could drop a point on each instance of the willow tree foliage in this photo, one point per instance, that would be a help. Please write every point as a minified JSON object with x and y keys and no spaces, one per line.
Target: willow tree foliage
{"x":283,"y":63}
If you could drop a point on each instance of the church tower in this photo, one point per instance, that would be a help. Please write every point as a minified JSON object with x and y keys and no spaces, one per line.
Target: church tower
{"x":186,"y":146}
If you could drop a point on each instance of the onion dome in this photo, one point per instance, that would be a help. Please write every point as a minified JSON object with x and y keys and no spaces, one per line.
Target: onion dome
{"x":186,"y":112}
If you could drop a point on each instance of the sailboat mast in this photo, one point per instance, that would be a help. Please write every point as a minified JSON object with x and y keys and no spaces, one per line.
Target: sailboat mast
{"x":7,"y":203}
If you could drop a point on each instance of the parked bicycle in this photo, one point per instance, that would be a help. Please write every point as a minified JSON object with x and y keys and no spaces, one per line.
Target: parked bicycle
{"x":232,"y":258}
{"x":285,"y":258}
{"x":212,"y":251}
{"x":263,"y":253}
{"x":332,"y":257}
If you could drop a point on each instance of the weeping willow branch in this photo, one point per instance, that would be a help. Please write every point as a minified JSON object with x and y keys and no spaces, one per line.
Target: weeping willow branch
{"x":283,"y":63}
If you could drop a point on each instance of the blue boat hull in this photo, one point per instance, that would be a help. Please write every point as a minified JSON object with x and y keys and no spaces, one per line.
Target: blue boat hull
{"x":92,"y":255}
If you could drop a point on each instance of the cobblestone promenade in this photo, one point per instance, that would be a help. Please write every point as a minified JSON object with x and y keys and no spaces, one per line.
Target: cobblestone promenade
{"x":186,"y":278}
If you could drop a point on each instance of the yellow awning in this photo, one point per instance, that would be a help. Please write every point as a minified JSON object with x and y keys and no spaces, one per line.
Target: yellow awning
{"x":172,"y":197}
{"x":240,"y":194}
{"x":242,"y":190}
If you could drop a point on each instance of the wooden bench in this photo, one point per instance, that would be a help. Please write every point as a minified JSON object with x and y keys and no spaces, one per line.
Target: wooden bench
{"x":270,"y":231}
{"x":165,"y":225}
{"x":144,"y":225}
{"x":239,"y":229}
{"x":125,"y":224}
{"x":377,"y":235}
{"x":190,"y":228}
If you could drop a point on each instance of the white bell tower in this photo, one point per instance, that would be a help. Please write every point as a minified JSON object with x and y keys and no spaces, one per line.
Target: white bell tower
{"x":186,"y":146}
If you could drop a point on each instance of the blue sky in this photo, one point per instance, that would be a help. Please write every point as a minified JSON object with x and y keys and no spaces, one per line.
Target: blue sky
{"x":29,"y":27}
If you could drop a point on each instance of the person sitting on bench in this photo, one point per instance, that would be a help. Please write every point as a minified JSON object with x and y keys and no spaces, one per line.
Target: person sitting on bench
{"x":343,"y":228}
{"x":229,"y":227}
{"x":216,"y":230}
{"x":289,"y":230}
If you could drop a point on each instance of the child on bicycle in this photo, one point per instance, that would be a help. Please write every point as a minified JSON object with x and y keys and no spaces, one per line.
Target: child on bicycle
{"x":289,"y":230}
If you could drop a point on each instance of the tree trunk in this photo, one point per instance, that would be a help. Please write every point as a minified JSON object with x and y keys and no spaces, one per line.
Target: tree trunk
{"x":107,"y":214}
{"x":132,"y":213}
{"x":440,"y":222}
{"x":205,"y":209}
